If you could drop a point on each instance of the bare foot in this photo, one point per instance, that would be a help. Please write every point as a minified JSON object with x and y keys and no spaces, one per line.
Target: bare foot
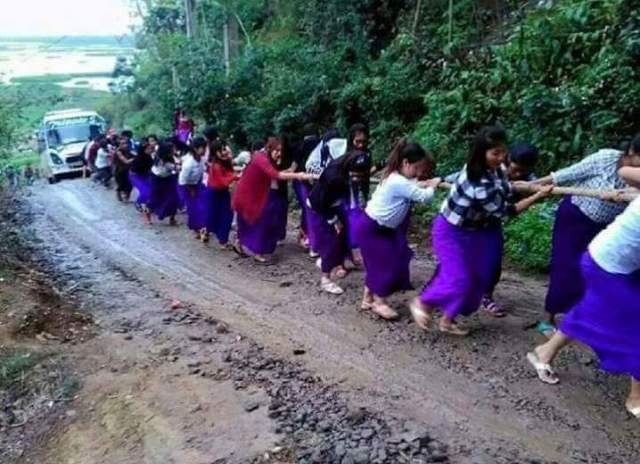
{"x":367,"y":300}
{"x":340,"y":272}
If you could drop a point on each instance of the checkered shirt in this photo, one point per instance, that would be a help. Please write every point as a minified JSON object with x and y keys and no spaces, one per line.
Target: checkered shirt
{"x":476,"y":205}
{"x":598,"y":171}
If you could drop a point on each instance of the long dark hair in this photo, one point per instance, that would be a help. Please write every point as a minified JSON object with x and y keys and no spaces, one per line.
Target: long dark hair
{"x":356,"y":161}
{"x":406,"y":150}
{"x":198,"y":142}
{"x":216,"y":147}
{"x":357,"y":128}
{"x":633,"y":146}
{"x":487,"y":138}
{"x":165,"y":152}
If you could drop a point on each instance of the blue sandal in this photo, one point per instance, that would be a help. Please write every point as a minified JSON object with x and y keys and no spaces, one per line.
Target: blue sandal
{"x":492,"y":308}
{"x":546,"y":329}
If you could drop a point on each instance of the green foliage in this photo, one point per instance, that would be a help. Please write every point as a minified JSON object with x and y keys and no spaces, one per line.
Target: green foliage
{"x":562,"y":77}
{"x":528,"y":238}
{"x":565,"y":81}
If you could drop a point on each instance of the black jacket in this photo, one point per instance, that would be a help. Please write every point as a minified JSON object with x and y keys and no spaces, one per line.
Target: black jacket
{"x":331,"y":190}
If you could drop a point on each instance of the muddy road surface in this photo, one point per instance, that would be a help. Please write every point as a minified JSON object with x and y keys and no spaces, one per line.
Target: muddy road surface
{"x":259,"y":365}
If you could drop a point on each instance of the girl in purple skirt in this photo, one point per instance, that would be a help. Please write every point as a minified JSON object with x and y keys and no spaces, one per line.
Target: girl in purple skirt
{"x":163,"y":195}
{"x":258,"y":202}
{"x":380,"y":231}
{"x":302,"y":189}
{"x":140,"y":177}
{"x":221,"y":177}
{"x":467,"y":235}
{"x":606,"y":318}
{"x":193,"y":190}
{"x":327,"y":214}
{"x":578,"y":220}
{"x":358,"y":195}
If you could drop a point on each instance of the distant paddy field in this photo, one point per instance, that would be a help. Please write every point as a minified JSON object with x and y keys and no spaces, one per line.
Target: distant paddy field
{"x":72,"y":62}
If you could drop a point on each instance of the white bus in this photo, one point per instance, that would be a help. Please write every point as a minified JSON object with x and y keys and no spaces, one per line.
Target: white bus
{"x":61,"y":139}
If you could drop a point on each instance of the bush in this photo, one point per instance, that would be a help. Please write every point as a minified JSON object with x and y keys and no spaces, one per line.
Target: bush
{"x":562,"y":77}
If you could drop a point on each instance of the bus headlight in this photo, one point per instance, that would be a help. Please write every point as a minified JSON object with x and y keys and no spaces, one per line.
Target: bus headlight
{"x":56,"y":159}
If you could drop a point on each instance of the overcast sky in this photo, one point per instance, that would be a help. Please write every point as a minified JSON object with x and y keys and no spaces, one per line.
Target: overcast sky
{"x":64,"y":17}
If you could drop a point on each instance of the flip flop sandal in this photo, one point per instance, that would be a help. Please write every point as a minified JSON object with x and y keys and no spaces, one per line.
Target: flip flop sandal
{"x":546,"y":329}
{"x":331,"y":287}
{"x":635,"y":412}
{"x":544,"y":371}
{"x":492,"y":308}
{"x":239,"y":251}
{"x":385,"y":312}
{"x":420,"y":316}
{"x":454,"y":329}
{"x":262,"y":261}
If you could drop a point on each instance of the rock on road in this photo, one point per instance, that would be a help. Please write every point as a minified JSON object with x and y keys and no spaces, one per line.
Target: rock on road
{"x":475,"y":395}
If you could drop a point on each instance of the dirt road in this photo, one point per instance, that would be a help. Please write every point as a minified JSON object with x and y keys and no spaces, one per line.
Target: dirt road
{"x":205,"y":383}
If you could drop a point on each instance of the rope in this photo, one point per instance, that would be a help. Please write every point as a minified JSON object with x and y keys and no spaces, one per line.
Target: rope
{"x":623,"y":195}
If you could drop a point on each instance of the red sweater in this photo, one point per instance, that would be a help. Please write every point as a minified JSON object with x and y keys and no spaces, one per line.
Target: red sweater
{"x":220,"y":177}
{"x":253,"y":188}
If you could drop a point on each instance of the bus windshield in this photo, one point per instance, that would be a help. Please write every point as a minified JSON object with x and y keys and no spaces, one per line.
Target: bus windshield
{"x":68,"y":134}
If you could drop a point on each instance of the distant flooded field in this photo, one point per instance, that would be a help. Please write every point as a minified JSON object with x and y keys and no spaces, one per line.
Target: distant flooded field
{"x":76,"y":62}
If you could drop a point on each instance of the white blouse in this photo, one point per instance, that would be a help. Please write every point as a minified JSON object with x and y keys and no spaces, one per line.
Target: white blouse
{"x":392,"y":199}
{"x":617,"y":248}
{"x":192,"y":171}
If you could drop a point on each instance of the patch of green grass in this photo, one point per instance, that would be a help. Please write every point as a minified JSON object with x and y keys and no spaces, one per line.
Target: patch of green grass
{"x":70,"y":386}
{"x":14,"y":367}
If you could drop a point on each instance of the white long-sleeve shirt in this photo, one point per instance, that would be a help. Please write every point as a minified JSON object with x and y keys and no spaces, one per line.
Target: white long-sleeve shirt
{"x":392,"y":199}
{"x":192,"y":171}
{"x":617,"y":248}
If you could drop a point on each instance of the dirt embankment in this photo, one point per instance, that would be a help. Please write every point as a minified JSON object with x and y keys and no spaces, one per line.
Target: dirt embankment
{"x":36,"y":321}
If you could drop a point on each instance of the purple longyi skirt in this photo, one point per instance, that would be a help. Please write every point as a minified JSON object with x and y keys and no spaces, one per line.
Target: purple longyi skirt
{"x":142,"y":183}
{"x":219,"y":213}
{"x":261,"y":238}
{"x":163,"y":198}
{"x":195,"y":201}
{"x":386,"y":255}
{"x":282,"y":210}
{"x":332,"y":247}
{"x":607,"y":318}
{"x":467,"y":263}
{"x":572,"y":233}
{"x":350,"y":215}
{"x":302,"y":189}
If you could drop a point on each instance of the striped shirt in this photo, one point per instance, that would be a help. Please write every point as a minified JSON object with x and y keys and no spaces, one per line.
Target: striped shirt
{"x":475,"y":205}
{"x":598,"y":171}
